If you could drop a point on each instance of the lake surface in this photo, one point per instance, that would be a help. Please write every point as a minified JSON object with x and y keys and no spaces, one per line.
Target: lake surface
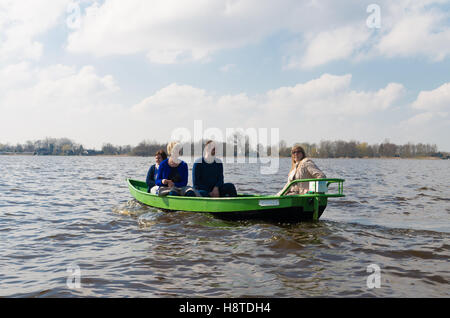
{"x":64,"y":216}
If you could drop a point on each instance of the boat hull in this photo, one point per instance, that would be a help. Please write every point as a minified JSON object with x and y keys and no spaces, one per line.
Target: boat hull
{"x":284,"y":215}
{"x":244,"y":207}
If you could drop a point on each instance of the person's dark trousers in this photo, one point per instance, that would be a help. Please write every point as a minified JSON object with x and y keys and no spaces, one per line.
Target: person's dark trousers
{"x":189,"y":193}
{"x":228,"y":190}
{"x":203,"y":193}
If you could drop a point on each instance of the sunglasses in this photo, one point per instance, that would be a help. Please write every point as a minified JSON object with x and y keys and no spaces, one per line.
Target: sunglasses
{"x":296,"y":152}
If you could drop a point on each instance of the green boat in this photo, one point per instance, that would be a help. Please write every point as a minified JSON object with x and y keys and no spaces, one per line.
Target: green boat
{"x":286,"y":209}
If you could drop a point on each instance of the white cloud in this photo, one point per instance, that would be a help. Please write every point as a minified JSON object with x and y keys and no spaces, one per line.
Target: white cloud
{"x":419,"y":32}
{"x":176,"y":99}
{"x":14,"y":75}
{"x":427,"y":127}
{"x":330,"y":45}
{"x":171,"y":31}
{"x":419,"y":119}
{"x":228,"y":68}
{"x":431,"y":119}
{"x":21,"y":22}
{"x":56,"y":101}
{"x":63,"y":101}
{"x":437,"y":99}
{"x":331,"y":95}
{"x":56,"y":87}
{"x":408,"y":29}
{"x":326,"y":105}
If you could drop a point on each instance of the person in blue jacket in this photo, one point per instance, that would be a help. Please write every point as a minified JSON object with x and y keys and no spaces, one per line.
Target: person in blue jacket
{"x":160,"y":156}
{"x":207,"y":175}
{"x":172,"y":177}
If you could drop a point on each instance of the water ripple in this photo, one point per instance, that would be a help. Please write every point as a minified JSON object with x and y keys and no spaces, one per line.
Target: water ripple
{"x":394,"y":215}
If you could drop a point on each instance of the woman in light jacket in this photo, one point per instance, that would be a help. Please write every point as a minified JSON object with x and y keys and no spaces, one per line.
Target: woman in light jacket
{"x":302,"y":168}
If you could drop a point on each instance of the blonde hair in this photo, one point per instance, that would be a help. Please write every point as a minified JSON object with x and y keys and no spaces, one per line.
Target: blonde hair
{"x":297,"y":148}
{"x":170,"y":147}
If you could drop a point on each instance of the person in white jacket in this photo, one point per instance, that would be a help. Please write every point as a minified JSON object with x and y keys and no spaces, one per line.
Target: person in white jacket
{"x":301,"y":168}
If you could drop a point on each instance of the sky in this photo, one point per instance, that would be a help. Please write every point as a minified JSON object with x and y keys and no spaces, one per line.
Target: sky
{"x":122,"y":72}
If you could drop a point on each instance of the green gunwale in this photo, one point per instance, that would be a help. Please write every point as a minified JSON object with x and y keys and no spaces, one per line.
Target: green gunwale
{"x":241,"y":203}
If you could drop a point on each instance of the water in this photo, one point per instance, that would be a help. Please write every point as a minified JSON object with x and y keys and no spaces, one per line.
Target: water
{"x":58,"y":212}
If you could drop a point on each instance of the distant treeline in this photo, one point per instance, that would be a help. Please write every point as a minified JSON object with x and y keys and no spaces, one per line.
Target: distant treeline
{"x":356,"y":149}
{"x":240,"y":145}
{"x":67,"y":147}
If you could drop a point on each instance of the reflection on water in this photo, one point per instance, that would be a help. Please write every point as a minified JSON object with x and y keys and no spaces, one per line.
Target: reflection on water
{"x":60,"y":211}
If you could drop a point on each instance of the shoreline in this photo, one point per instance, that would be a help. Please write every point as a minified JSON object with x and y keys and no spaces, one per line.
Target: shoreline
{"x":125,"y":155}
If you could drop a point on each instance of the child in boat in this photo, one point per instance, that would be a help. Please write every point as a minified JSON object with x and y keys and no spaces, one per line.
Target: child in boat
{"x":301,"y":168}
{"x":152,"y":172}
{"x":207,"y":175}
{"x":172,"y":177}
